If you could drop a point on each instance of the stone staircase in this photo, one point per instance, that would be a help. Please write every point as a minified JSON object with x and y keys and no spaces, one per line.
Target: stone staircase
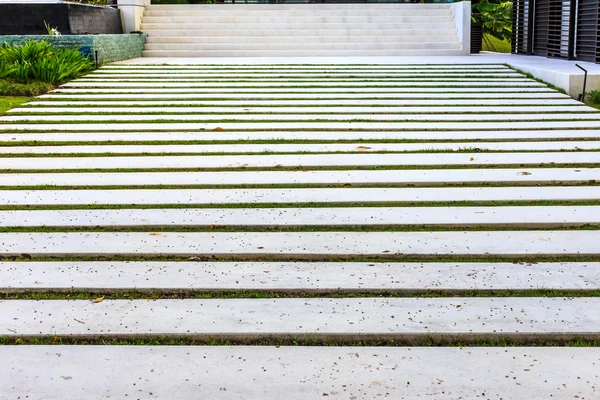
{"x":298,"y":232}
{"x":265,"y":30}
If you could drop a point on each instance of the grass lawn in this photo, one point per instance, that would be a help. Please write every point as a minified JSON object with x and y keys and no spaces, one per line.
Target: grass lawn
{"x":11,"y":102}
{"x":502,"y":46}
{"x":595,"y":106}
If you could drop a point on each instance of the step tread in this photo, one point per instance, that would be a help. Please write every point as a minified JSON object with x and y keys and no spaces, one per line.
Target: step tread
{"x":316,"y":316}
{"x":298,"y":373}
{"x":297,"y":195}
{"x":313,"y":245}
{"x":296,"y":276}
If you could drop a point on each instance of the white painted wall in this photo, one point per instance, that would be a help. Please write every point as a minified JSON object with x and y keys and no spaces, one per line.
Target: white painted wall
{"x":462,"y":16}
{"x":131,"y":13}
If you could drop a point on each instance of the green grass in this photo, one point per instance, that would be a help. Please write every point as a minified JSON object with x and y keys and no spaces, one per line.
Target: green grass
{"x":12,"y":88}
{"x":431,"y":340}
{"x":154,"y":294}
{"x":6,"y":103}
{"x":497,"y":45}
{"x":595,"y":106}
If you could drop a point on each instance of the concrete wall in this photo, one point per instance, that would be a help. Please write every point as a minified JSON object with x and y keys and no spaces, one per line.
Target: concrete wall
{"x":70,"y":19}
{"x":110,"y":47}
{"x":462,"y":16}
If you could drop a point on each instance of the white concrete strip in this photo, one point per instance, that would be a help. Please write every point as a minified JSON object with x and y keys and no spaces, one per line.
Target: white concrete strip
{"x":135,"y":95}
{"x":304,"y":148}
{"x":297,"y":275}
{"x":298,"y":373}
{"x":289,"y":316}
{"x":301,"y":244}
{"x":292,"y":160}
{"x":275,"y":125}
{"x":198,"y":66}
{"x":288,"y":84}
{"x":315,"y":75}
{"x":437,"y":111}
{"x":298,"y":195}
{"x":326,"y":117}
{"x":342,"y":81}
{"x":129,"y":136}
{"x":408,"y":177}
{"x":532,"y":216}
{"x":307,"y":103}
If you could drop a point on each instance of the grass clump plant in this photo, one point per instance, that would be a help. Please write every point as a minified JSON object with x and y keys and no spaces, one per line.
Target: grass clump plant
{"x":36,"y":67}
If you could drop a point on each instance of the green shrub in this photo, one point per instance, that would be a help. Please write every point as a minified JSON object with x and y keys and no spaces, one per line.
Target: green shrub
{"x":41,"y":61}
{"x":593,"y":96}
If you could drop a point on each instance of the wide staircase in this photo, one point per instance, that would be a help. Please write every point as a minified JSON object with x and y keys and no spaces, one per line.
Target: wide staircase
{"x":264,"y":30}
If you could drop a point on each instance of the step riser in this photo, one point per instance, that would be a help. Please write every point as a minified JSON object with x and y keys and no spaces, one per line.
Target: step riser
{"x":201,"y":20}
{"x":436,"y":36}
{"x":443,"y":23}
{"x":301,"y":53}
{"x":267,"y":47}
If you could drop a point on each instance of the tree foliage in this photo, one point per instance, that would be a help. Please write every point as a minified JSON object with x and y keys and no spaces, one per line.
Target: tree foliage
{"x":495,"y":17}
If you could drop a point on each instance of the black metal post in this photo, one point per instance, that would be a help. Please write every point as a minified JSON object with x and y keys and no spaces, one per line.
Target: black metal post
{"x":582,"y":95}
{"x":96,"y":58}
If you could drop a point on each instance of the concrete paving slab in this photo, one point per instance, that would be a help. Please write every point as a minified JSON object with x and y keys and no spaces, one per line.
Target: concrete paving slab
{"x":300,"y":74}
{"x":325,"y":118}
{"x":133,"y":94}
{"x":300,"y":125}
{"x":436,"y":111}
{"x":404,"y":177}
{"x":142,"y":136}
{"x":296,"y":276}
{"x":530,"y":217}
{"x":288,"y":84}
{"x":251,"y":79}
{"x":298,"y":373}
{"x":298,"y":316}
{"x":303,"y":195}
{"x":312,"y":245}
{"x":304,"y":160}
{"x":305,"y":148}
{"x":308,"y":103}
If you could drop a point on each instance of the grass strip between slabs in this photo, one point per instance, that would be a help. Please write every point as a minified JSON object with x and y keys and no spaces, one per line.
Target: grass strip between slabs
{"x":324,"y":340}
{"x":258,"y":227}
{"x":156,"y":294}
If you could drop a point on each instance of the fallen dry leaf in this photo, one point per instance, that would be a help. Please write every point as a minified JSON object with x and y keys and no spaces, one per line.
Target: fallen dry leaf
{"x":98,"y":300}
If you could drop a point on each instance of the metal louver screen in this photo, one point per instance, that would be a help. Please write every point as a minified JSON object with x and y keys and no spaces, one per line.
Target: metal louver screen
{"x":587,"y":30}
{"x":542,"y":22}
{"x":520,"y":34}
{"x":558,"y":28}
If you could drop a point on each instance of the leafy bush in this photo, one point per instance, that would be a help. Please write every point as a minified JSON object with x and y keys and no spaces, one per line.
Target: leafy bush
{"x":41,"y":61}
{"x":495,"y":17}
{"x":593,"y":96}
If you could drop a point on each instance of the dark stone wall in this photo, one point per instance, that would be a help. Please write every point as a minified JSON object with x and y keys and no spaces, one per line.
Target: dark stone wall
{"x":70,"y":19}
{"x":94,"y":19}
{"x":28,"y":19}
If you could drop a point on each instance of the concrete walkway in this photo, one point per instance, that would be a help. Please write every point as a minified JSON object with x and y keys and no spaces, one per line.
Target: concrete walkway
{"x":237,"y":217}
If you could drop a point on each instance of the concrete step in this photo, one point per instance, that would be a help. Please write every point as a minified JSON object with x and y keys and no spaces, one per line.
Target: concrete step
{"x":356,"y":85}
{"x":298,"y":373}
{"x":57,"y":126}
{"x":182,"y":136}
{"x":440,"y":177}
{"x":354,"y":111}
{"x":353,"y":31}
{"x":501,"y":104}
{"x":363,"y":44}
{"x":296,"y":276}
{"x":292,"y":18}
{"x":173,"y":65}
{"x":291,"y":317}
{"x":293,"y":195}
{"x":301,"y":53}
{"x":303,"y":160}
{"x":398,"y":7}
{"x":522,"y":217}
{"x":307,"y":12}
{"x":301,"y":27}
